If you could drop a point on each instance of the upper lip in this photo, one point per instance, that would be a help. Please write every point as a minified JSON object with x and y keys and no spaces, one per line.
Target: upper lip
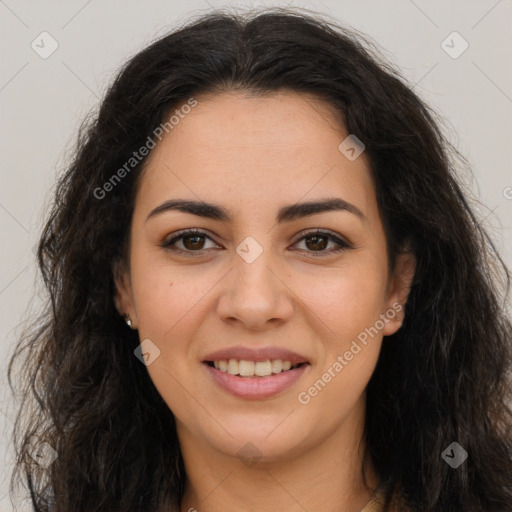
{"x":256,"y":354}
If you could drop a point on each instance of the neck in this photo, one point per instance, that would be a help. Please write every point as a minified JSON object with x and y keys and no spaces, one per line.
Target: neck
{"x":326,"y":476}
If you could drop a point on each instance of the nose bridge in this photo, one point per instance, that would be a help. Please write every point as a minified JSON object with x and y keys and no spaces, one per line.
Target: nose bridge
{"x":254,"y":294}
{"x":252,"y":254}
{"x":252,"y":267}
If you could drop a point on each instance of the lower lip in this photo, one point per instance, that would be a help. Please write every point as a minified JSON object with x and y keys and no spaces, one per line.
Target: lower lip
{"x":256,"y":388}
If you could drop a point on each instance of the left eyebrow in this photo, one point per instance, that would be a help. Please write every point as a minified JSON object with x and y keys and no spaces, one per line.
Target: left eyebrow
{"x":285,"y":214}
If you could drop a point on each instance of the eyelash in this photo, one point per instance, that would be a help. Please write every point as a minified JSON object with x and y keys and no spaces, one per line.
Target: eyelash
{"x":341,"y":244}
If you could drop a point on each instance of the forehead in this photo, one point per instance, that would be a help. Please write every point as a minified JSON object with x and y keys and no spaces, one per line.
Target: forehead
{"x":240,"y":146}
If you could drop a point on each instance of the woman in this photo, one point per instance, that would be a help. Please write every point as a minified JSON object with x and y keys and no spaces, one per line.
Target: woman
{"x":267,"y":292}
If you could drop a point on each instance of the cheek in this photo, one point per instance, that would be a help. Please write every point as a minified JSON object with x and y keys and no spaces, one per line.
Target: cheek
{"x":347,"y":300}
{"x":165,"y":295}
{"x":349,"y":307}
{"x":170,"y":308}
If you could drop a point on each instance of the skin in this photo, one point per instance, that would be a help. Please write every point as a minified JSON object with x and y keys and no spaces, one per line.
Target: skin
{"x":252,"y":155}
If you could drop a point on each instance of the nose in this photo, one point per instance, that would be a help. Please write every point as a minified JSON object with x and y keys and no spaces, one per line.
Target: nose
{"x":256,"y":294}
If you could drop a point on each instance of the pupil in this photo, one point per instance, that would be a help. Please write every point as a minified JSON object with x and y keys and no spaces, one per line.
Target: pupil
{"x":196,"y":240}
{"x":319,"y":242}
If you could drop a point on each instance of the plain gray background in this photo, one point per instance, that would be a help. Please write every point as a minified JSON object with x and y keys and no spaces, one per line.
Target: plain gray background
{"x":42,"y":102}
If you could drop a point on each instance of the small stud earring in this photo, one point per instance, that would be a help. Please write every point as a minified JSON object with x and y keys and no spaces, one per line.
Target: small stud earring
{"x":128,"y":321}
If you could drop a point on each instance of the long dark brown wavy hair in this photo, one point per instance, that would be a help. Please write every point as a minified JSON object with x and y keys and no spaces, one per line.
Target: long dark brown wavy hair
{"x":444,"y":377}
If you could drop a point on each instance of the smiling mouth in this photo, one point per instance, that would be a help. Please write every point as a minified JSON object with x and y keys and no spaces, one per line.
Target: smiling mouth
{"x":245,"y":368}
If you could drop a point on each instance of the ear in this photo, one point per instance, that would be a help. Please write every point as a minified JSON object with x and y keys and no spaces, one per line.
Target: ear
{"x":123,"y":295}
{"x":398,"y":291}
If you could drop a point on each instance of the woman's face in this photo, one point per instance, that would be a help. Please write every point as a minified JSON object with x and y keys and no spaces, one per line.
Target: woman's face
{"x":258,"y":284}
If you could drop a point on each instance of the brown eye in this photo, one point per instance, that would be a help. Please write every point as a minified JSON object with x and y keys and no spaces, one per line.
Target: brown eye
{"x":316,"y":242}
{"x":190,"y":241}
{"x":193,"y":242}
{"x":321,"y":243}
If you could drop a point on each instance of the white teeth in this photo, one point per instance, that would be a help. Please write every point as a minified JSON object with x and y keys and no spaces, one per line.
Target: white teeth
{"x":232,"y":367}
{"x":246,"y":368}
{"x":263,"y":368}
{"x":277,"y":366}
